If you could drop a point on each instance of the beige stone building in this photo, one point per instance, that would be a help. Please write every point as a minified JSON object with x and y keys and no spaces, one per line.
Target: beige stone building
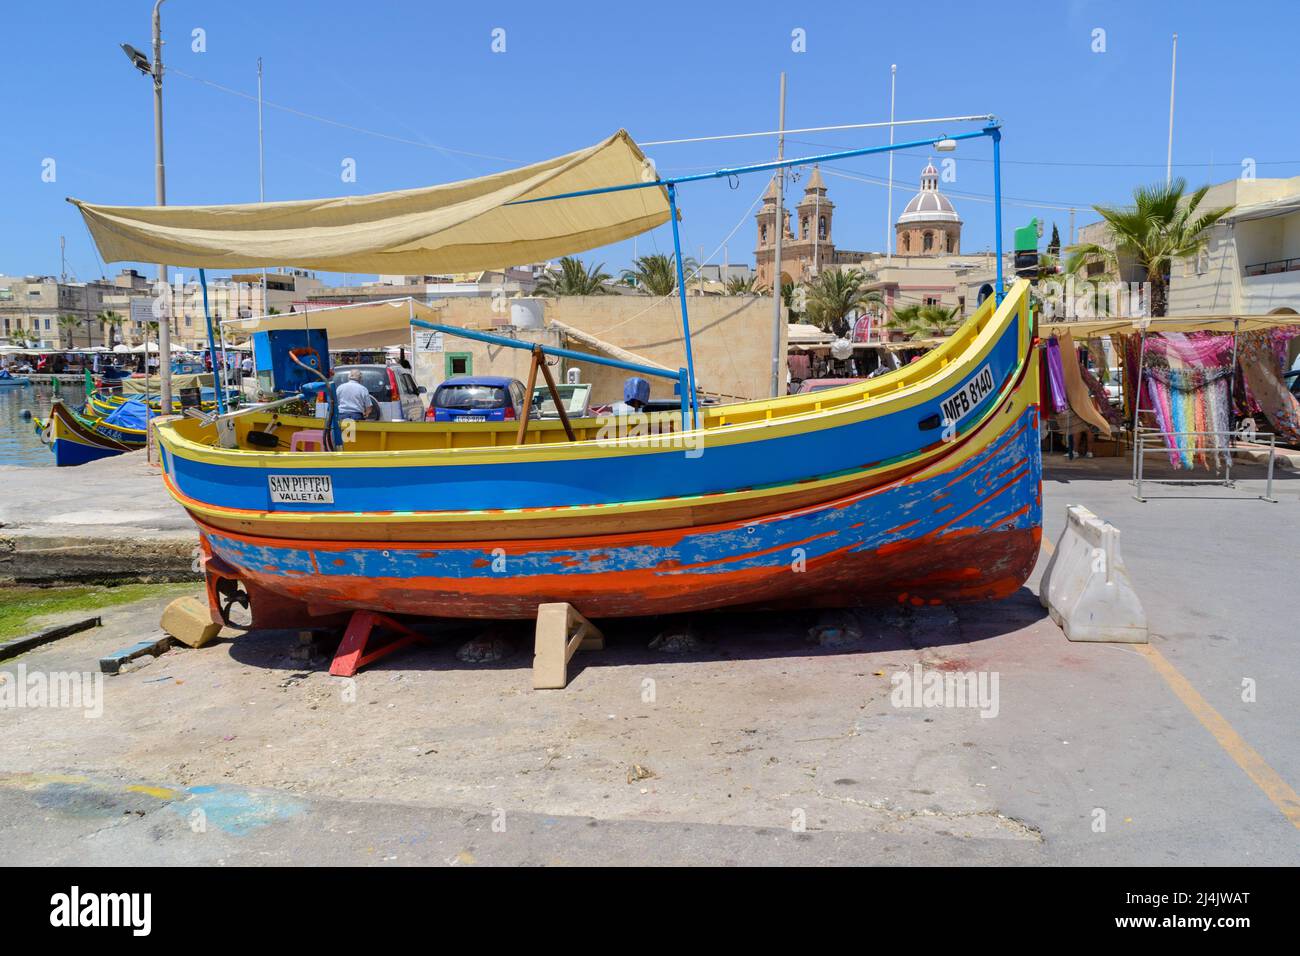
{"x":926,"y":267}
{"x":731,"y":336}
{"x":928,"y":224}
{"x":806,"y":253}
{"x":30,"y":308}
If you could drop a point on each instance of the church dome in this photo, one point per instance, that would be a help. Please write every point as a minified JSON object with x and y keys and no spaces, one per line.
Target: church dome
{"x":929,"y":205}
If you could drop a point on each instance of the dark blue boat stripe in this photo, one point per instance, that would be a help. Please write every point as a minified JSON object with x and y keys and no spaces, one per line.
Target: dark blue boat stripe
{"x":1004,"y":482}
{"x":601,"y":480}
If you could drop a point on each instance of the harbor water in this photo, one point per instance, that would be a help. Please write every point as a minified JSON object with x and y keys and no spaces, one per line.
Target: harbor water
{"x":19,"y":443}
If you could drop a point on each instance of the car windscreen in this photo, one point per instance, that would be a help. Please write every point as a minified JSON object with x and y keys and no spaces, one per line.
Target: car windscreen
{"x":470,"y":397}
{"x":374,"y":379}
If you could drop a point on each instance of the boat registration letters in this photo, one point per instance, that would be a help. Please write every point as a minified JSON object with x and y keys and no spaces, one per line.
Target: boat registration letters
{"x":301,"y":489}
{"x":964,"y":401}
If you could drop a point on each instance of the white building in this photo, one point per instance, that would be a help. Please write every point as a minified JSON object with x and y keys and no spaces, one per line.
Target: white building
{"x":1251,"y":264}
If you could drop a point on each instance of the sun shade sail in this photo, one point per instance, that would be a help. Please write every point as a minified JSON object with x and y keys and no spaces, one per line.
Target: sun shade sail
{"x":464,"y":226}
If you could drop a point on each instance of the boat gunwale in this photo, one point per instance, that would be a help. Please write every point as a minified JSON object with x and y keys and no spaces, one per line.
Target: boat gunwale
{"x":67,"y":418}
{"x":950,"y":455}
{"x":961,"y":353}
{"x":649,"y":536}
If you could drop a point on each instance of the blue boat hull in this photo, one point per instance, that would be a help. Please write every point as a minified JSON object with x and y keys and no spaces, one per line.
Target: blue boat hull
{"x":966,"y":531}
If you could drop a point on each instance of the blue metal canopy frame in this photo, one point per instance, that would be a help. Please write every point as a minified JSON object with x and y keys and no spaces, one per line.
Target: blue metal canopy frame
{"x":681,"y":376}
{"x":686,"y":377}
{"x":993,"y":131}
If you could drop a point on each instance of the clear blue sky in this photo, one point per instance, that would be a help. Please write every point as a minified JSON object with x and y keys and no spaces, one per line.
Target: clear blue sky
{"x":1080,"y":127}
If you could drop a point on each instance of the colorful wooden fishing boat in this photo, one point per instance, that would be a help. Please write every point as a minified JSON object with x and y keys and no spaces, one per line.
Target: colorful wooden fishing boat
{"x":74,"y":440}
{"x":921,"y":486}
{"x":845,"y":499}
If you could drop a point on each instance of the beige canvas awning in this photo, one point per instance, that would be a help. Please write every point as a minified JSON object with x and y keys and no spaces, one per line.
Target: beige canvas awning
{"x":151,"y":385}
{"x":457,"y":227}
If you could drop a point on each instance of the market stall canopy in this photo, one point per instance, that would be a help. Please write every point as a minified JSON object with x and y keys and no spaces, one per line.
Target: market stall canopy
{"x":1088,"y":328}
{"x":457,"y":227}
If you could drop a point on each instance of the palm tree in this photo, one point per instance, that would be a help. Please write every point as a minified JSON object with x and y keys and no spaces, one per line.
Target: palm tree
{"x":68,"y":325}
{"x":742,"y":285}
{"x":1160,"y":226}
{"x":114,"y":322}
{"x":834,"y":294}
{"x":795,"y":299}
{"x":574,"y":278}
{"x":920,"y":321}
{"x":656,"y":273}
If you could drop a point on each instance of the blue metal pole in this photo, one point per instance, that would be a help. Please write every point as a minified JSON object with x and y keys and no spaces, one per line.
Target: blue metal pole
{"x":758,"y":167}
{"x":997,"y":203}
{"x":220,"y":386}
{"x":681,"y":295}
{"x":683,"y":388}
{"x":548,"y":349}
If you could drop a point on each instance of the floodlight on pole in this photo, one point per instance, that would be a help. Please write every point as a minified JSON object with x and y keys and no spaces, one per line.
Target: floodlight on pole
{"x":138,"y":59}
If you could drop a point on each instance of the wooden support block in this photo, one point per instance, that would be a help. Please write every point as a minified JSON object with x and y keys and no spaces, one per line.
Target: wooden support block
{"x":190,"y":621}
{"x":113,"y":662}
{"x":561,"y":630}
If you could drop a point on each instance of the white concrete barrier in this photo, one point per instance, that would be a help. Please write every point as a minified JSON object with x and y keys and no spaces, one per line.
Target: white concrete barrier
{"x":1086,"y":587}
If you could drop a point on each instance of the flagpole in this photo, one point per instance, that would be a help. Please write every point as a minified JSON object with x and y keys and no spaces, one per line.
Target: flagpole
{"x":777,"y":357}
{"x":889,"y":213}
{"x":1173,"y":75}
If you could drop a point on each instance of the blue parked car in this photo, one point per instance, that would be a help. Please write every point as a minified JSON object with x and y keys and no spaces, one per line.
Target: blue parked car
{"x":477,"y":398}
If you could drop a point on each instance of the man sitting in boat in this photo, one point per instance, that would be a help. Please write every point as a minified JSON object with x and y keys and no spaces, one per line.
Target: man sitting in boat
{"x":355,"y":400}
{"x":636,"y":392}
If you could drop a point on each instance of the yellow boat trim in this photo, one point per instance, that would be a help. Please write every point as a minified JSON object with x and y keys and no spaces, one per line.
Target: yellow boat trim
{"x":1011,"y":405}
{"x":930,"y":376}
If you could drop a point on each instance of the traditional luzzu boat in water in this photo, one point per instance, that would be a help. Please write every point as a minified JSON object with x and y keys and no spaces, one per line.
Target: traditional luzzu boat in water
{"x":75,"y":439}
{"x":920,"y":486}
{"x":104,"y":401}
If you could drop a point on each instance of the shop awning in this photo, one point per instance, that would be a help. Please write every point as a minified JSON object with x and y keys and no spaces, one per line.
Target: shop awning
{"x":463,"y":226}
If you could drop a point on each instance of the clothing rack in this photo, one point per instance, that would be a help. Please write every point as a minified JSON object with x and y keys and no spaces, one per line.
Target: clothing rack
{"x":1224,"y":441}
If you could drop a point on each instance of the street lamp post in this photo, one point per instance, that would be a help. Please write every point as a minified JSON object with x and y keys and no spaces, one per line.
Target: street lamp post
{"x":141,"y":63}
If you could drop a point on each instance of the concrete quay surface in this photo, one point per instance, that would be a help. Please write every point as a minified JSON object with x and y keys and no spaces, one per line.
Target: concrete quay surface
{"x":109,"y":520}
{"x":754,"y":746}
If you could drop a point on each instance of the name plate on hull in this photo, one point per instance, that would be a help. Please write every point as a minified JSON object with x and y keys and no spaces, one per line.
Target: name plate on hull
{"x":301,"y":489}
{"x":963,"y":402}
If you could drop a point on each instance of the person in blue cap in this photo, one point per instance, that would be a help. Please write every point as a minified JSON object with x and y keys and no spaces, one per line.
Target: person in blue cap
{"x":636,"y":392}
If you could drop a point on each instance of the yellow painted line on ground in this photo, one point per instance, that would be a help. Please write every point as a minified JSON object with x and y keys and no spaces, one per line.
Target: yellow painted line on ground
{"x":1247,"y":758}
{"x":1234,"y":745}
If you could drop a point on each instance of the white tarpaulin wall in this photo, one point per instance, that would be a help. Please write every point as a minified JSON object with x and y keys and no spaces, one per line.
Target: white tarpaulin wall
{"x":365,"y":325}
{"x":465,"y":226}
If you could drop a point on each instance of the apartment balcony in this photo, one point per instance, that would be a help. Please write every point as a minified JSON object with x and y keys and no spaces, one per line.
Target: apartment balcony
{"x":1269,"y":286}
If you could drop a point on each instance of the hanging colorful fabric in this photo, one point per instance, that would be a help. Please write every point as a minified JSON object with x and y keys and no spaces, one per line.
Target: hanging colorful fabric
{"x":1262,"y":371}
{"x":1055,"y":374}
{"x":1191,"y":404}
